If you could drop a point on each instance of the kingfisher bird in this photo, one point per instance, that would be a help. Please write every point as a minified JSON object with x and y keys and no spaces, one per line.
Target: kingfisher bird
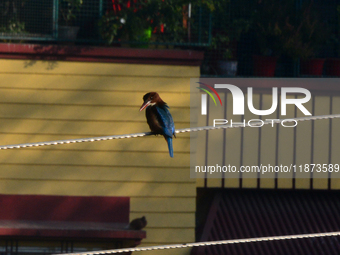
{"x":159,"y":118}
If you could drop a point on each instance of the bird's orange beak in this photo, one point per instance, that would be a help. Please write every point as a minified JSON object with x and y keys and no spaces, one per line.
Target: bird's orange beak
{"x":144,"y":105}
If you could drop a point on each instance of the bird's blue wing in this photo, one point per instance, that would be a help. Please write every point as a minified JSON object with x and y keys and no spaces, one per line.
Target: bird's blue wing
{"x":165,"y":120}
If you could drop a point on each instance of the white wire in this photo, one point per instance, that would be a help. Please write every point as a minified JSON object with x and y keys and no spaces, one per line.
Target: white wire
{"x":183,"y":130}
{"x":190,"y":245}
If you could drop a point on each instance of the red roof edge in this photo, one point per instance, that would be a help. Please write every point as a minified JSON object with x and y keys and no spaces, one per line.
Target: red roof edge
{"x":73,"y":233}
{"x":101,"y":54}
{"x":66,"y":216}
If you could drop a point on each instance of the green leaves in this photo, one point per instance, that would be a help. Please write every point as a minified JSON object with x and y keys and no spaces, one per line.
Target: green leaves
{"x":143,"y":18}
{"x":68,"y":9}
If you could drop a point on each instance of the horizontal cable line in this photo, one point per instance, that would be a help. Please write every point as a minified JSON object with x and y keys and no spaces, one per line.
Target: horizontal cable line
{"x":62,"y":105}
{"x":114,"y":151}
{"x":183,"y":130}
{"x":201,"y":244}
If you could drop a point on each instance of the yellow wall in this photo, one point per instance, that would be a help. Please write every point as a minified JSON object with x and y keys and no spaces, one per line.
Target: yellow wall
{"x":51,"y":100}
{"x":265,"y":144}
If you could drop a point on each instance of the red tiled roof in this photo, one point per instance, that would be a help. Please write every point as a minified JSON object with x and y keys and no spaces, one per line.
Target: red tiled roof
{"x":238,"y":214}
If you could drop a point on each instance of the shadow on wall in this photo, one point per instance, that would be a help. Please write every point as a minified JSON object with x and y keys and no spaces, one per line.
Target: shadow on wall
{"x":54,"y":106}
{"x":50,"y":55}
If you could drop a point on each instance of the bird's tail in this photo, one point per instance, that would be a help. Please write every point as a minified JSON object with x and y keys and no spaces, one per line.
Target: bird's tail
{"x":169,"y":141}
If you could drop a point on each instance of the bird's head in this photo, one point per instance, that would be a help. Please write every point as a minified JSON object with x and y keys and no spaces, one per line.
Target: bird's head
{"x":151,"y":98}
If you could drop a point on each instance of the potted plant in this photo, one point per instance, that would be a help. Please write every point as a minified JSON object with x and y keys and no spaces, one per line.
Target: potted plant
{"x":171,"y":22}
{"x":141,"y":22}
{"x":228,"y":26}
{"x":11,"y":20}
{"x":224,"y":50}
{"x":226,"y":42}
{"x":68,"y":9}
{"x":110,"y":26}
{"x":268,"y":18}
{"x":131,"y":22}
{"x":13,"y":27}
{"x":333,"y":64}
{"x":303,"y":37}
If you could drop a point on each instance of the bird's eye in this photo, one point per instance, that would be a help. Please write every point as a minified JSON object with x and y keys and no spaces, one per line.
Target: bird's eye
{"x":151,"y":98}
